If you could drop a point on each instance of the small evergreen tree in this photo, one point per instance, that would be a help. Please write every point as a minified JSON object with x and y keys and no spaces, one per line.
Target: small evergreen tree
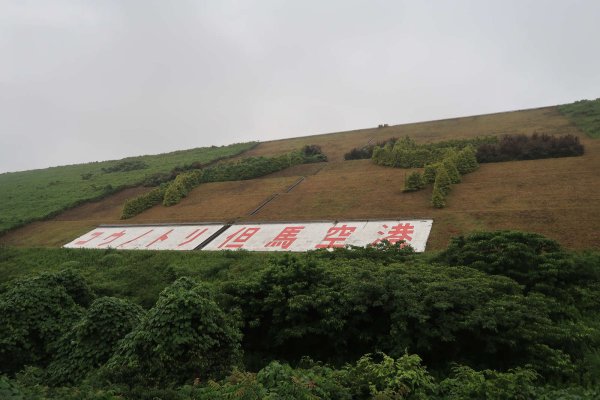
{"x":466,"y":160}
{"x":442,"y":181}
{"x":91,"y":341}
{"x":430,"y":172}
{"x":450,"y":167}
{"x":35,"y":313}
{"x":438,"y":198}
{"x":414,"y":182}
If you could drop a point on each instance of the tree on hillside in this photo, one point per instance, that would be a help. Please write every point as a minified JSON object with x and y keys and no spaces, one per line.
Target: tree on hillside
{"x":92,"y":340}
{"x":430,"y":172}
{"x":186,"y":335}
{"x":35,"y":313}
{"x":450,"y":166}
{"x":466,"y":160}
{"x":442,"y":181}
{"x":414,"y":181}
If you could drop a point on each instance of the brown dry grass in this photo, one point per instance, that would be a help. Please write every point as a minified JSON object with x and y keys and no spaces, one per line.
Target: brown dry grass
{"x":335,"y":145}
{"x":556,"y":197}
{"x":219,"y":201}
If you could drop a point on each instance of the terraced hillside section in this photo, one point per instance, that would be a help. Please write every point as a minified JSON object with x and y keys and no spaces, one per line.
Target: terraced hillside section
{"x":555,"y":197}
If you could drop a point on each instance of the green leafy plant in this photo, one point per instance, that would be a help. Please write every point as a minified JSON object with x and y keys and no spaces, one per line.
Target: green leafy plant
{"x":92,"y":340}
{"x":414,"y":181}
{"x":184,"y":336}
{"x":35,"y":313}
{"x":136,"y":205}
{"x":403,"y":378}
{"x":466,"y":383}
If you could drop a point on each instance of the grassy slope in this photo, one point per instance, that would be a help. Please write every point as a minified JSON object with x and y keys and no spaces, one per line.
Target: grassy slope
{"x":554,"y":197}
{"x":31,"y":195}
{"x":585,"y":114}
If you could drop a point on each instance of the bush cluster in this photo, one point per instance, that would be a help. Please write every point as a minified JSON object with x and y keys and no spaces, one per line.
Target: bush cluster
{"x":186,"y":335}
{"x":445,"y":162}
{"x":406,"y":153}
{"x":125,"y":165}
{"x":248,"y":168}
{"x":181,"y":186}
{"x":443,"y":174}
{"x":523,"y":147}
{"x":366,"y":152}
{"x":136,"y":205}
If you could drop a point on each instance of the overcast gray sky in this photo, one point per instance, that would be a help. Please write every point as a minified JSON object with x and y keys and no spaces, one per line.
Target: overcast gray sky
{"x":94,"y":80}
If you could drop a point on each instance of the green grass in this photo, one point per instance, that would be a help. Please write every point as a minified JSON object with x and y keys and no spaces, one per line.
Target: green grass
{"x":31,"y":195}
{"x":585,"y":114}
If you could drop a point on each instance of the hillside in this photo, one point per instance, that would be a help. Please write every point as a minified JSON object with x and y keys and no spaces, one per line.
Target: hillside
{"x":30,"y":195}
{"x":554,"y":197}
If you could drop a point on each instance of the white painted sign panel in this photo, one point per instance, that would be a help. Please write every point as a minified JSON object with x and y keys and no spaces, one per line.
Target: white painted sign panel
{"x":270,"y":237}
{"x":293,"y":236}
{"x":310,"y":236}
{"x":173,"y":237}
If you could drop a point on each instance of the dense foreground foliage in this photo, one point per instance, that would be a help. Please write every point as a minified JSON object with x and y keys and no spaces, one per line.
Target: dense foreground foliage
{"x":37,"y":194}
{"x":501,"y":315}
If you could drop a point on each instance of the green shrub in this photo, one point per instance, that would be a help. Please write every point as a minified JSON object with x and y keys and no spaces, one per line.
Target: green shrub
{"x":125,"y":166}
{"x":141,"y":203}
{"x":518,"y":255}
{"x":9,"y":390}
{"x":438,"y":198}
{"x":248,"y":168}
{"x":456,"y":157}
{"x":534,"y":147}
{"x":405,"y":153}
{"x":466,"y":383}
{"x":450,"y":167}
{"x":414,"y":182}
{"x":92,"y":340}
{"x":184,"y":336}
{"x":181,"y":186}
{"x":35,"y":313}
{"x":288,"y":383}
{"x":442,"y":181}
{"x":430,"y":172}
{"x":403,"y":378}
{"x":466,"y":160}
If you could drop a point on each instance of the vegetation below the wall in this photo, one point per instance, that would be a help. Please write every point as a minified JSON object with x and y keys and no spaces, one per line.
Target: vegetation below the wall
{"x":38,"y":194}
{"x":585,"y":114}
{"x":503,"y":314}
